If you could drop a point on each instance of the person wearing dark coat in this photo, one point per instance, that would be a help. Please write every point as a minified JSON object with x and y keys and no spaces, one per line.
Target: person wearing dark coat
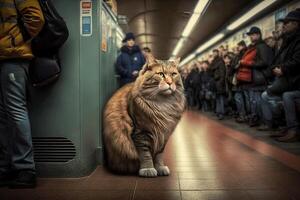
{"x":191,"y":84}
{"x":228,"y":58}
{"x":219,"y":69}
{"x":271,"y":106}
{"x":259,"y":71}
{"x":197,"y":85}
{"x":207,"y":87}
{"x":130,"y":61}
{"x":287,"y":71}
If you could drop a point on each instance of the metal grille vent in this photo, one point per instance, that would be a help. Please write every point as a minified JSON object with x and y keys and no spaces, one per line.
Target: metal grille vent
{"x":53,"y":149}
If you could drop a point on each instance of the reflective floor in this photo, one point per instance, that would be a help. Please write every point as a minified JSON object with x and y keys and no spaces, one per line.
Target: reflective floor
{"x":207,"y":160}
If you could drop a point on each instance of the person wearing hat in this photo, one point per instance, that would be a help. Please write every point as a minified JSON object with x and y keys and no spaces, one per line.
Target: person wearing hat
{"x":130,"y":61}
{"x":286,"y":69}
{"x":259,"y":59}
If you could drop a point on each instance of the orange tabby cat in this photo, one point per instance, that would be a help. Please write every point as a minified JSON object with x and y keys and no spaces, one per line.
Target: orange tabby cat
{"x":141,"y":116}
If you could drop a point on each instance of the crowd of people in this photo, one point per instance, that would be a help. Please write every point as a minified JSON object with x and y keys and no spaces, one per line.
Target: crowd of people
{"x":257,"y":84}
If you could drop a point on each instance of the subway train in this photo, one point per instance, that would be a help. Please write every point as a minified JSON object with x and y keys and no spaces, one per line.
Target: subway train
{"x":232,"y":131}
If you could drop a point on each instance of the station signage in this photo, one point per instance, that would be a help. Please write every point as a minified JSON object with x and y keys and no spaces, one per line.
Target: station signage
{"x":86,"y":22}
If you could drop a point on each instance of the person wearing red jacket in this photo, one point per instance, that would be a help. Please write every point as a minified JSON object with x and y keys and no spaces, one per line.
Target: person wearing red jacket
{"x":257,"y":60}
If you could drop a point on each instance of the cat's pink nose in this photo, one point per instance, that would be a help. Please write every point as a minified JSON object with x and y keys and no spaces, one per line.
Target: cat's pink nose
{"x":169,"y":80}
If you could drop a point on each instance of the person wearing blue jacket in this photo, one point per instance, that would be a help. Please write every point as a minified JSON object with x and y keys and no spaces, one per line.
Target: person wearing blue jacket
{"x":130,"y":61}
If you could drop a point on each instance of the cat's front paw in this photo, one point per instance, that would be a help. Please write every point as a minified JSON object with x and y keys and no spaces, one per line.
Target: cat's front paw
{"x":148,"y":172}
{"x":163,"y":171}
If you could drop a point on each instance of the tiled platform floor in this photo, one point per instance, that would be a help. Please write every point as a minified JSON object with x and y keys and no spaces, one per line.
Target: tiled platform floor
{"x":207,"y":161}
{"x":264,"y":136}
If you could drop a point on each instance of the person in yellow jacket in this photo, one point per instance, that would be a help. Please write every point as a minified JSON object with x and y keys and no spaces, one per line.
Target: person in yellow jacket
{"x":17,"y":167}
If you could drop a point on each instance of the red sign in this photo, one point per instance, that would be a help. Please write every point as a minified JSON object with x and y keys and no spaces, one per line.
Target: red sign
{"x":86,"y":5}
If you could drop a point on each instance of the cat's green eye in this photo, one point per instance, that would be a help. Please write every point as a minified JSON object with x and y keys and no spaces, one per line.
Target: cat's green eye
{"x":174,"y":74}
{"x":161,"y":74}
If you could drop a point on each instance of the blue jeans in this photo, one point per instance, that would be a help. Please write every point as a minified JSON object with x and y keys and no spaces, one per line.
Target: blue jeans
{"x":289,"y":99}
{"x":240,"y":103}
{"x":255,"y":101}
{"x":204,"y":105}
{"x":16,"y":150}
{"x":269,"y":105}
{"x":220,"y":109}
{"x":189,"y":97}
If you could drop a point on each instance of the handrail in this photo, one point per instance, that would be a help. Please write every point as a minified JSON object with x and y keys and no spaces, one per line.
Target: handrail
{"x":114,"y":17}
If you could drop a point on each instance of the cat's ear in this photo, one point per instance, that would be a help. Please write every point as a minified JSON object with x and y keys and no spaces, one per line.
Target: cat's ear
{"x":150,"y":61}
{"x":176,"y":61}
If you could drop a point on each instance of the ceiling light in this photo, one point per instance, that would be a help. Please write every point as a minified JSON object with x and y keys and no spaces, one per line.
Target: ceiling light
{"x":203,"y":47}
{"x":187,"y":59}
{"x":198,"y":11}
{"x":178,"y":47}
{"x":210,"y":42}
{"x":254,"y":11}
{"x":190,"y":25}
{"x":201,"y":5}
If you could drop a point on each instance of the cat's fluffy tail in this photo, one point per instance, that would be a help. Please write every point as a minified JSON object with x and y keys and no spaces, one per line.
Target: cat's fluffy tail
{"x":120,"y":152}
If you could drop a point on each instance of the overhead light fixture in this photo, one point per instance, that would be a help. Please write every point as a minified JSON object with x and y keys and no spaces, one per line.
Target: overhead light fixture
{"x":206,"y":45}
{"x":122,"y":20}
{"x":198,"y":11}
{"x":187,"y":59}
{"x":254,"y":11}
{"x":190,"y":25}
{"x":209,"y":43}
{"x":178,"y":47}
{"x":200,"y":7}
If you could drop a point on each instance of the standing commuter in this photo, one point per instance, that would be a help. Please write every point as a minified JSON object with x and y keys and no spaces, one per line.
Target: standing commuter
{"x":228,"y":81}
{"x":192,"y":84}
{"x":262,"y":59}
{"x":241,"y":96}
{"x":17,"y":167}
{"x":219,"y":70}
{"x":207,"y":85}
{"x":130,"y":61}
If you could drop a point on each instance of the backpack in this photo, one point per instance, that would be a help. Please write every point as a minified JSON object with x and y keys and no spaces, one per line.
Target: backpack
{"x":45,"y":67}
{"x":54,"y":33}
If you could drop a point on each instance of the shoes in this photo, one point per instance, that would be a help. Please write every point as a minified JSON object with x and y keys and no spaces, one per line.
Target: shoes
{"x":278,"y":134}
{"x":291,"y":136}
{"x":253,"y":122}
{"x":5,"y":179}
{"x":24,"y":179}
{"x":240,"y":120}
{"x":220,"y":117}
{"x":265,"y":127}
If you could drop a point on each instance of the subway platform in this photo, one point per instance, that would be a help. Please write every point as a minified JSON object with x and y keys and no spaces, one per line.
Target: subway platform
{"x":208,"y":160}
